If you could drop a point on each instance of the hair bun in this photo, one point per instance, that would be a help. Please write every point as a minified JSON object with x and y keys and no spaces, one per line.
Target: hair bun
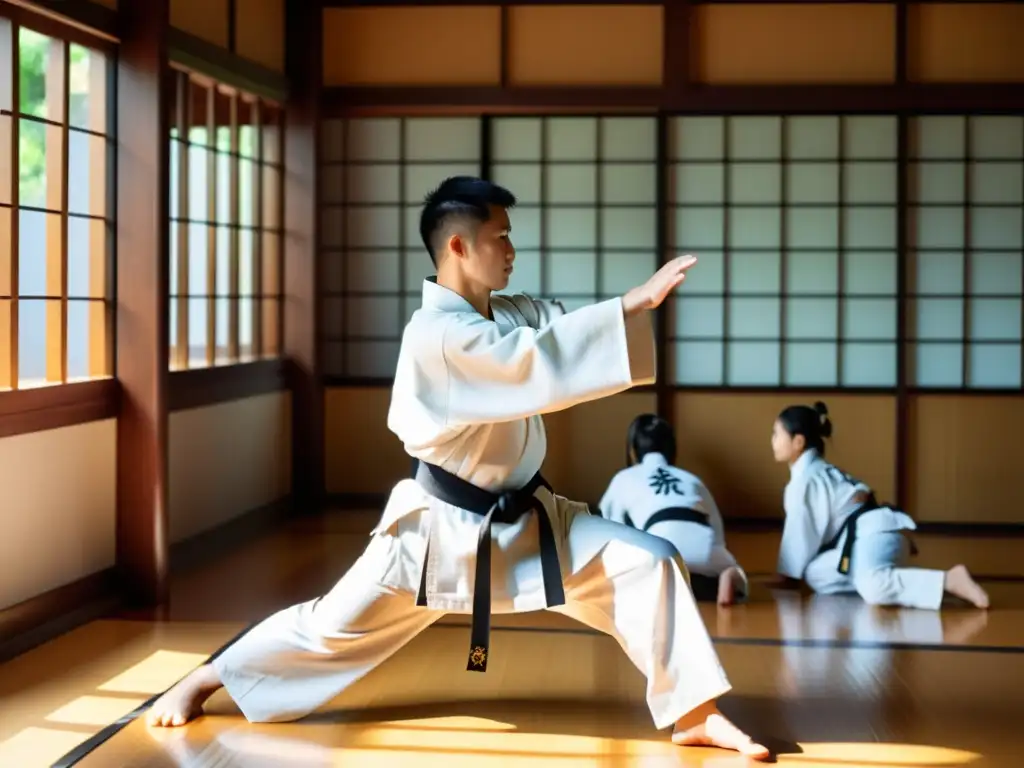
{"x":826,"y":425}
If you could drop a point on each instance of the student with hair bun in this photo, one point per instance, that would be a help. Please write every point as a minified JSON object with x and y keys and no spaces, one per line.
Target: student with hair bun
{"x":838,"y":538}
{"x":655,"y":496}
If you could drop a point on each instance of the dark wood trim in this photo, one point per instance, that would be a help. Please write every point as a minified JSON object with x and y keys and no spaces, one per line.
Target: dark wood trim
{"x":421,"y":3}
{"x":902,"y":432}
{"x":374,"y":502}
{"x":36,"y":410}
{"x":667,"y":3}
{"x":304,"y":67}
{"x":343,"y":382}
{"x":679,"y":53}
{"x":222,"y":65}
{"x":233,"y":26}
{"x":143,"y":298}
{"x":79,"y":21}
{"x":664,"y":349}
{"x":40,"y":619}
{"x":208,"y":386}
{"x":966,"y":530}
{"x":209,"y":545}
{"x":695,"y":99}
{"x":505,"y":54}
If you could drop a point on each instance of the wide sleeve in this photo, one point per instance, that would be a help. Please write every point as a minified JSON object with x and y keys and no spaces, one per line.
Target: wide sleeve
{"x":535,"y":313}
{"x":495,"y":376}
{"x":807,"y":515}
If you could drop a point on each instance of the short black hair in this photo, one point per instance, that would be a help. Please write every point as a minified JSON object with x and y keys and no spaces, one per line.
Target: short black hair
{"x":459,"y":197}
{"x":651,"y":434}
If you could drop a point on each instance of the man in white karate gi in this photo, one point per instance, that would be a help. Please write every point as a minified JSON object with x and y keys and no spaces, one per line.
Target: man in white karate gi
{"x":475,"y":373}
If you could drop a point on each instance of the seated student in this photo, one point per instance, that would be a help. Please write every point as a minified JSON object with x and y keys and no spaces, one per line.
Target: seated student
{"x":838,"y":538}
{"x":659,"y":498}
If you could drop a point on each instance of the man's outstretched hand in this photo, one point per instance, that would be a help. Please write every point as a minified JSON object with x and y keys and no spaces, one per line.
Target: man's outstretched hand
{"x":651,"y":294}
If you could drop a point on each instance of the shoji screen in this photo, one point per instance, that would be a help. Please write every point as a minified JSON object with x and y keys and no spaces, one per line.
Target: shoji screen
{"x":966,"y":233}
{"x":585,"y":227}
{"x":794,"y":222}
{"x":375,"y":176}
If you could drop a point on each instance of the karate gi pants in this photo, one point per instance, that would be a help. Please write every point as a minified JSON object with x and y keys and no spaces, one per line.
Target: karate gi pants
{"x":623,"y":582}
{"x":877,"y":573}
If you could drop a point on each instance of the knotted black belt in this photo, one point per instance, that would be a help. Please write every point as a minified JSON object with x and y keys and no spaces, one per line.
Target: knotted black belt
{"x":506,"y":508}
{"x":850,"y":526}
{"x":675,"y":514}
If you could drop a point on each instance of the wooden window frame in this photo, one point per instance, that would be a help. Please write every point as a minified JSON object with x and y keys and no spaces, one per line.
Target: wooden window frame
{"x":215,"y":380}
{"x":61,"y":403}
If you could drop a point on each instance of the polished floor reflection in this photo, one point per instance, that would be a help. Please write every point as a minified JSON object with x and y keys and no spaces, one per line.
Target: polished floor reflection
{"x":824,"y":681}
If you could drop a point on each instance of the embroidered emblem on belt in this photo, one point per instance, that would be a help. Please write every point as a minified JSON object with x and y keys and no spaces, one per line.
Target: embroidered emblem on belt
{"x":478,"y":656}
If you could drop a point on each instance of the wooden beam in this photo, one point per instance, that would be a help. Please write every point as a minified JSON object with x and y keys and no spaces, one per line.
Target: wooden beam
{"x":143,"y":212}
{"x":225,"y":67}
{"x":400,"y":3}
{"x":902,"y":427}
{"x":84,"y":16}
{"x":41,"y":408}
{"x":205,"y":386}
{"x":690,"y":98}
{"x":303,"y":47}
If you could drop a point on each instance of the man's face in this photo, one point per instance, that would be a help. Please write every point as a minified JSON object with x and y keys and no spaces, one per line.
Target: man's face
{"x":489,"y":255}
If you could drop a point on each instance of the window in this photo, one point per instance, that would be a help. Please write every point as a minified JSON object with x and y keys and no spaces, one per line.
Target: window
{"x":585,"y":227}
{"x":56,"y":217}
{"x":375,"y":175}
{"x":966,"y":189}
{"x":226,"y":228}
{"x":794,"y":222}
{"x":794,"y":219}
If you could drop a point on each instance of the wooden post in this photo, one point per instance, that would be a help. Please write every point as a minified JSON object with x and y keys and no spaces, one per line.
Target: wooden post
{"x":143,"y":135}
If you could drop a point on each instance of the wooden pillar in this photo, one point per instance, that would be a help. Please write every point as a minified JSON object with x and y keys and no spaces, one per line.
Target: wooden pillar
{"x":143,"y":133}
{"x":303,"y":63}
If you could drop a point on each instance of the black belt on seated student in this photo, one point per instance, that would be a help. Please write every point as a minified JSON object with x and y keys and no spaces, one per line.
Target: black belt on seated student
{"x":850,"y":526}
{"x":507,"y":508}
{"x":675,"y":514}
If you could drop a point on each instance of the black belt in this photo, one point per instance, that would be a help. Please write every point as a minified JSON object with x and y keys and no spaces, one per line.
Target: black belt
{"x":507,"y":508}
{"x":850,"y":526}
{"x":676,"y":514}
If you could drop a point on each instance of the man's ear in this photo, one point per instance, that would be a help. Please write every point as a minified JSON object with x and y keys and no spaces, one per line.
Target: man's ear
{"x":457,"y":245}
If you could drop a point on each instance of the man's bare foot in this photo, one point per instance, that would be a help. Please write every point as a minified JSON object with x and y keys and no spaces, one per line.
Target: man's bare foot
{"x":959,"y":582}
{"x":707,"y":727}
{"x":730,"y":582}
{"x":184,"y":702}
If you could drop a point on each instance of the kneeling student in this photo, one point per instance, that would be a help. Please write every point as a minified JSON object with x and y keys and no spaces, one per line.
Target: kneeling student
{"x":661,"y":499}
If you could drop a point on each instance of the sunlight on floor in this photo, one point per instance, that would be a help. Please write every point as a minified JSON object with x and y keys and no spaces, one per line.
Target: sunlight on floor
{"x":99,"y":711}
{"x":510,"y":743}
{"x":154,"y":674}
{"x":33,"y":747}
{"x":454,"y":723}
{"x":37,"y":746}
{"x":881,"y":754}
{"x":466,"y":741}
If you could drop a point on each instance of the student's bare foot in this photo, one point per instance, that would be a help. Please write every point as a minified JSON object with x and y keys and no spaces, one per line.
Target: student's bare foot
{"x":184,"y":702}
{"x":729,"y":583}
{"x":959,"y":582}
{"x":707,"y":727}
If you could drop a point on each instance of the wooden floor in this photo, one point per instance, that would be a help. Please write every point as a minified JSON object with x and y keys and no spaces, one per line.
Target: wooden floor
{"x":822,"y":681}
